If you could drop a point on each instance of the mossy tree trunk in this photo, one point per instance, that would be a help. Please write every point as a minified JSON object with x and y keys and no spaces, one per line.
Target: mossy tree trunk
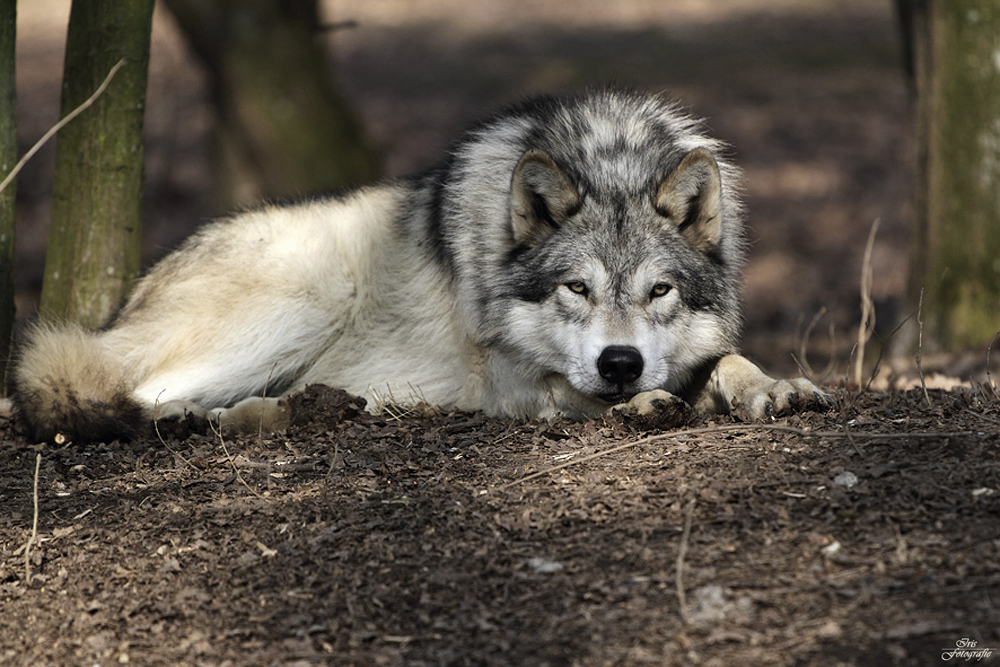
{"x":956,"y":260}
{"x":283,"y":130}
{"x":8,"y":158}
{"x":94,"y":241}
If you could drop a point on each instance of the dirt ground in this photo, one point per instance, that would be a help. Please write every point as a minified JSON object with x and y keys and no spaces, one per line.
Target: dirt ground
{"x":865,"y":535}
{"x":868,"y":536}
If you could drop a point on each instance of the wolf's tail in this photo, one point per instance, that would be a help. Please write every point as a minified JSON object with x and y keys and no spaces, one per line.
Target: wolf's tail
{"x":67,"y":383}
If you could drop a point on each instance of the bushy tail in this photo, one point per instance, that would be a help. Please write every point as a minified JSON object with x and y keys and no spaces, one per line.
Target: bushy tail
{"x":68,"y":384}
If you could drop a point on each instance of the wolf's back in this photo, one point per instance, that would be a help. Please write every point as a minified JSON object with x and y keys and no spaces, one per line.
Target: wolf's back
{"x":68,"y":383}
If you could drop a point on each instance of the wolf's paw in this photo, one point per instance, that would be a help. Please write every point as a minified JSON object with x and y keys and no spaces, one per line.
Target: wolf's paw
{"x":179,"y":419}
{"x":656,"y":408}
{"x":648,"y":402}
{"x":179,"y":411}
{"x":254,"y":415}
{"x":777,"y":397}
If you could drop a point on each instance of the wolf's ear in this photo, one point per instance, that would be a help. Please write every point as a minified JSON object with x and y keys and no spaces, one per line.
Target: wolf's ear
{"x":691,"y":199}
{"x":542,"y":197}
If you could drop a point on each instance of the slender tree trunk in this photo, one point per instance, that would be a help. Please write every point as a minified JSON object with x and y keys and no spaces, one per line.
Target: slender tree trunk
{"x":283,"y":130}
{"x":94,"y":240}
{"x":8,"y":158}
{"x":956,"y":259}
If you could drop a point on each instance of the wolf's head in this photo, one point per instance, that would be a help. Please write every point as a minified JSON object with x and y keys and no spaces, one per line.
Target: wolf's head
{"x":609,"y":253}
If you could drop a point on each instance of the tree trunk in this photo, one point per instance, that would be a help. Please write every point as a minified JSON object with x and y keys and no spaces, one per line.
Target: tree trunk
{"x":956,"y":260}
{"x":282,"y":129}
{"x":8,"y":158}
{"x":94,"y":240}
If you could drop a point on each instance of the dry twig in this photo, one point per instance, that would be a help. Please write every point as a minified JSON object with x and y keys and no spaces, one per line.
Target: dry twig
{"x":725,"y":428}
{"x":34,"y":523}
{"x":61,"y":124}
{"x":156,"y":429}
{"x":217,"y":429}
{"x":802,"y":360}
{"x":867,"y":324}
{"x":681,"y":554}
{"x":920,"y":345}
{"x":267,"y":383}
{"x":989,"y":377}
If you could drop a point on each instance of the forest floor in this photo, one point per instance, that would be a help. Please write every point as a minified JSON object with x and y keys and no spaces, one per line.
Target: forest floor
{"x":866,"y":535}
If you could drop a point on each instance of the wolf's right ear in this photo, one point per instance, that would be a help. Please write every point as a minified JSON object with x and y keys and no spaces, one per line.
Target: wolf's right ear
{"x":691,"y":198}
{"x":541,"y":198}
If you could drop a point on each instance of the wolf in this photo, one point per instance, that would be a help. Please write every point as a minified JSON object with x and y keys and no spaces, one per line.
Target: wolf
{"x":571,"y":254}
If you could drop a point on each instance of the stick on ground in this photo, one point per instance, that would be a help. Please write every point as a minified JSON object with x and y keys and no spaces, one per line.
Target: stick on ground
{"x":34,"y":523}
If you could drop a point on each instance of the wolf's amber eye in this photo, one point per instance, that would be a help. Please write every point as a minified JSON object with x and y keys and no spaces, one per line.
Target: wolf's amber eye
{"x":659,"y":289}
{"x":577,"y":287}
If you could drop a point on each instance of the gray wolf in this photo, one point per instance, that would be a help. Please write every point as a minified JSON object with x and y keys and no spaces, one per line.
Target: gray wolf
{"x":569,"y":255}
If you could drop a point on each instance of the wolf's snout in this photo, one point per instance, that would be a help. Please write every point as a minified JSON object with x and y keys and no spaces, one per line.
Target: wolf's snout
{"x":620,"y":365}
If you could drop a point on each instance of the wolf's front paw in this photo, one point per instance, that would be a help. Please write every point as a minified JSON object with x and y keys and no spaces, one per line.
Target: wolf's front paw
{"x":777,"y":397}
{"x":737,"y":385}
{"x":655,"y":408}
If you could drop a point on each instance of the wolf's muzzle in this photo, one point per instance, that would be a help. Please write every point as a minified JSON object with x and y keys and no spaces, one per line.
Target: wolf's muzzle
{"x":620,"y":365}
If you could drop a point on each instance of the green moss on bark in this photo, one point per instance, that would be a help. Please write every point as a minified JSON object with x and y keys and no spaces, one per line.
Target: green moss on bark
{"x":961,"y":265}
{"x":94,"y":240}
{"x":8,"y":158}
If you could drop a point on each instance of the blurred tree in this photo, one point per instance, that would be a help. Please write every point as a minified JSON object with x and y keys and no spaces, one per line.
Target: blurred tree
{"x":94,"y":240}
{"x":954,"y":48}
{"x":8,"y":157}
{"x":282,"y":128}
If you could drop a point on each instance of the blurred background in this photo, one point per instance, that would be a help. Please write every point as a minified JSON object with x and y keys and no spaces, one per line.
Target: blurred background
{"x":811,"y":94}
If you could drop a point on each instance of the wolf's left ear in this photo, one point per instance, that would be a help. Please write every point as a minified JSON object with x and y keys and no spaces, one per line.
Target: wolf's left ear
{"x":691,"y":199}
{"x":542,"y":198}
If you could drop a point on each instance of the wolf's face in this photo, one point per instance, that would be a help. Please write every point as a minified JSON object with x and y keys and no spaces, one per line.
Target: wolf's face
{"x":614,"y":329}
{"x":618,"y":290}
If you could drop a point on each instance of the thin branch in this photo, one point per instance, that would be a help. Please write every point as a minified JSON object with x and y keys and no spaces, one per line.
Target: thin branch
{"x":217,"y":429}
{"x":867,"y":324}
{"x":156,"y":428}
{"x":34,"y":524}
{"x":920,"y":346}
{"x":989,"y":378}
{"x":920,"y":334}
{"x":263,"y":408}
{"x":725,"y":428}
{"x":61,"y":124}
{"x":681,"y":554}
{"x":802,"y":360}
{"x":983,"y":417}
{"x":846,"y":425}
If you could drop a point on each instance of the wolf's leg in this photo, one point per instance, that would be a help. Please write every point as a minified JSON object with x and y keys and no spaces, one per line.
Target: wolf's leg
{"x":251,"y":415}
{"x":735,"y":383}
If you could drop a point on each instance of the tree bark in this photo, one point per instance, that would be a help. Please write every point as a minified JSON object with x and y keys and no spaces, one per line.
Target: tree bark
{"x":283,"y":130}
{"x":94,"y":241}
{"x":8,"y":198}
{"x":956,"y":258}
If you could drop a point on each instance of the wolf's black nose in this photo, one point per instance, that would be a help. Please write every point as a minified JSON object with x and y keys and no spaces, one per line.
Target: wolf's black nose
{"x":620,"y":365}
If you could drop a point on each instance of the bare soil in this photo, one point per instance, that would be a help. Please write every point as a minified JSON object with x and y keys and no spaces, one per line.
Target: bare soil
{"x":867,"y":535}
